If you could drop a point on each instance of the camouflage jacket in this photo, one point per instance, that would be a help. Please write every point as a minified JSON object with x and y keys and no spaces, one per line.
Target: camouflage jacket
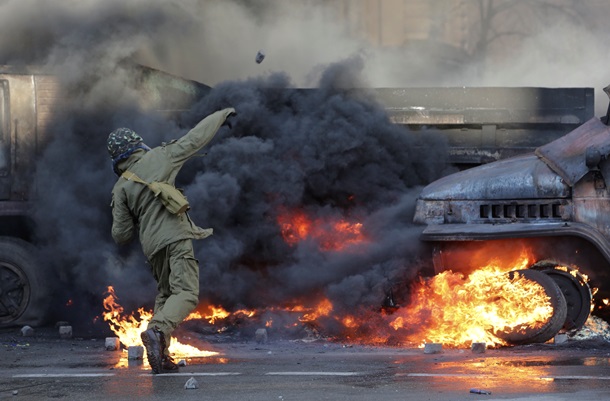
{"x":134,"y":206}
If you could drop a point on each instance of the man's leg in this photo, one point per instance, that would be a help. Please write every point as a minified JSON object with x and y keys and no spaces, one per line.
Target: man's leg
{"x":160,"y":270}
{"x":154,"y":341}
{"x":181,"y":276}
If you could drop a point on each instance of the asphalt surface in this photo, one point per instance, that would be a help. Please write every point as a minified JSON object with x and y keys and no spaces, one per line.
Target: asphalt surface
{"x":46,"y":367}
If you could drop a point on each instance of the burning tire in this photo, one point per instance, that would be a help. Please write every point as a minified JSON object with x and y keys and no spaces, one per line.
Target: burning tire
{"x":574,"y":288}
{"x":22,"y":290}
{"x":548,"y":330}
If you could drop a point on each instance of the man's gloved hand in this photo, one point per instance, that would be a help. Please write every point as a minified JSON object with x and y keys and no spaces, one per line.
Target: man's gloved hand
{"x":230,"y":119}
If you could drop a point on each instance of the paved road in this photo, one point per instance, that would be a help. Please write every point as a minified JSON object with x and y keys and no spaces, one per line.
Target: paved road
{"x":45,"y":367}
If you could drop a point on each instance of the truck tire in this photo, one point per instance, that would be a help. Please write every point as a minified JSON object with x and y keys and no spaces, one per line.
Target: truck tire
{"x":23,"y":294}
{"x":575,"y":290}
{"x":552,"y":326}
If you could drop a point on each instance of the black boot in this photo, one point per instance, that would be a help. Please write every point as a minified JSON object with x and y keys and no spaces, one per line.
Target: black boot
{"x":168,"y":365}
{"x":154,"y":343}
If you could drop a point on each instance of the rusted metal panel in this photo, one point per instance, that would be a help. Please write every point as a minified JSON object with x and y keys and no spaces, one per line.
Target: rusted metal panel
{"x":567,"y":155}
{"x":22,"y":128}
{"x":482,"y":125}
{"x":591,"y":199}
{"x":489,"y":105}
{"x":50,"y":100}
{"x":5,"y":141}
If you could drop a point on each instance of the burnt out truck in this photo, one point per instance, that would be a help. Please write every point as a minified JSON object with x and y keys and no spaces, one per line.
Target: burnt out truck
{"x":552,"y":204}
{"x":31,"y":99}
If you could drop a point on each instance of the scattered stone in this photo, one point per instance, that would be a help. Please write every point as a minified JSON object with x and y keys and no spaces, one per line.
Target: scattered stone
{"x":433,"y":348}
{"x":191,"y":384}
{"x":61,"y":323}
{"x":27,"y":331}
{"x":479,"y":391}
{"x":478,"y":348}
{"x":261,"y":336}
{"x":182,"y":363}
{"x":65,"y":331}
{"x":112,"y":344}
{"x":135,"y":352}
{"x":15,"y":392}
{"x":260,"y":56}
{"x":560,"y":338}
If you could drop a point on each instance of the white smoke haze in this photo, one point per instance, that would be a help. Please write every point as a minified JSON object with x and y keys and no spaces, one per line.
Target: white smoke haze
{"x":289,"y":148}
{"x":295,"y":36}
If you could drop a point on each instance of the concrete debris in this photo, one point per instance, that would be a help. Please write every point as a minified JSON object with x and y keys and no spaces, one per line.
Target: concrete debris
{"x":191,"y":384}
{"x":478,"y":348}
{"x":112,"y":344}
{"x":27,"y":331}
{"x":182,"y":363}
{"x":433,"y":348}
{"x":135,"y":352}
{"x":65,"y":331}
{"x":261,"y":336}
{"x":560,"y":338}
{"x":260,"y":56}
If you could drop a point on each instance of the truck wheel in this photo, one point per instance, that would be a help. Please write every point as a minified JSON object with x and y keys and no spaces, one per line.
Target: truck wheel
{"x":544,"y":333}
{"x":575,"y":290}
{"x":22,"y":290}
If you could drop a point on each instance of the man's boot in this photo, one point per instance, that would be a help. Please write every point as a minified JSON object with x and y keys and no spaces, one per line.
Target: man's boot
{"x":154,"y":343}
{"x":168,"y":365}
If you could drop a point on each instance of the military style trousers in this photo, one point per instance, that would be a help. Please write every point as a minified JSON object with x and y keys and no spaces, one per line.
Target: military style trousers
{"x":177,"y":274}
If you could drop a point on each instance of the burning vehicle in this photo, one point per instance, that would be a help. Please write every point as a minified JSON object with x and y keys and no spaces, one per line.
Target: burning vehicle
{"x":552,"y":204}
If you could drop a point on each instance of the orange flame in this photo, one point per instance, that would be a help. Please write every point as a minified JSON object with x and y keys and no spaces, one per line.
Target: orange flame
{"x":332,"y":235}
{"x":324,"y":308}
{"x":457,"y":310}
{"x":128,"y":328}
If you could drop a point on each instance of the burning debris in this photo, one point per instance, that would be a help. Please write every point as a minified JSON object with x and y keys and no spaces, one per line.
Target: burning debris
{"x":128,"y":329}
{"x":595,"y":328}
{"x":449,"y":309}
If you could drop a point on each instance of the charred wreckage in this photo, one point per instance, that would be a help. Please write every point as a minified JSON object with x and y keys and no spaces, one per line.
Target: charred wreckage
{"x":554,"y":202}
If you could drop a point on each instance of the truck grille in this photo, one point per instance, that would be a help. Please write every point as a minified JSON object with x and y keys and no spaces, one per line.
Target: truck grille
{"x":525,"y":211}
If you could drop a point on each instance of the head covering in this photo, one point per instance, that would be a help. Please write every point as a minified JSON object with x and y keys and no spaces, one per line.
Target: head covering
{"x":122,"y":142}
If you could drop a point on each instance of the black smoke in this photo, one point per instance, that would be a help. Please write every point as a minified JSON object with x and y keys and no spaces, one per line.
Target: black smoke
{"x":330,"y":151}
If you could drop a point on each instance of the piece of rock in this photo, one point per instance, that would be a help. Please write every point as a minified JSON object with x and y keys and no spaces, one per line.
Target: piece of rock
{"x":560,"y":338}
{"x":191,"y":384}
{"x":260,"y":56}
{"x":112,"y":344}
{"x":135,"y":352}
{"x":65,"y":331}
{"x":261,"y":336}
{"x":27,"y":331}
{"x":478,"y":348}
{"x":433,"y":348}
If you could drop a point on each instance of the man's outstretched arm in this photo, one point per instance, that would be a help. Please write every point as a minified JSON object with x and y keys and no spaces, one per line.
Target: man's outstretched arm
{"x":198,"y":137}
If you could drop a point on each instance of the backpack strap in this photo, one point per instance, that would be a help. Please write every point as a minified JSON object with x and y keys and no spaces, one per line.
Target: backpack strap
{"x":129,"y":176}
